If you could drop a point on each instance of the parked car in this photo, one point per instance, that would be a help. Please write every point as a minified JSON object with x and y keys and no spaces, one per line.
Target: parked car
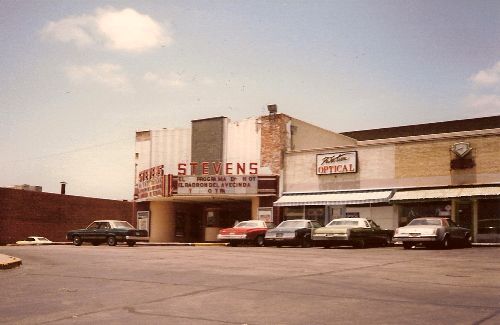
{"x":488,"y":231}
{"x":433,"y":232}
{"x":249,"y":231}
{"x":34,"y":240}
{"x":108,"y":231}
{"x":356,"y":232}
{"x":296,"y":232}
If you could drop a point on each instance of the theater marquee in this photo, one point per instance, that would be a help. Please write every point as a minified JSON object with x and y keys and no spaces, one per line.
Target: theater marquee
{"x":337,"y":163}
{"x":217,"y":184}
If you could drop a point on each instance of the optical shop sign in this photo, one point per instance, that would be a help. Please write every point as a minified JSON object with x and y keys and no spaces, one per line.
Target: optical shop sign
{"x":337,"y":163}
{"x":219,"y":184}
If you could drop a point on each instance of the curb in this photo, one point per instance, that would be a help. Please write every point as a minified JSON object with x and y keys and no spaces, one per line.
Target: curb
{"x":9,"y":262}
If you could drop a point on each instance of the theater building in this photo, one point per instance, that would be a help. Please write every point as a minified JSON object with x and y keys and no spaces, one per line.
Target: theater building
{"x":190,"y":182}
{"x":393,"y":175}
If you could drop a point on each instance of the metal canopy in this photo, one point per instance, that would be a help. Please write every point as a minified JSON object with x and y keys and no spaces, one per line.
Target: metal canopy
{"x":446,"y":193}
{"x":334,"y":198}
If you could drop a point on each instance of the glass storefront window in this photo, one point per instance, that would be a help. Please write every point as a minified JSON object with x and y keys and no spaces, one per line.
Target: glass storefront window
{"x":424,"y":209}
{"x":488,"y":221}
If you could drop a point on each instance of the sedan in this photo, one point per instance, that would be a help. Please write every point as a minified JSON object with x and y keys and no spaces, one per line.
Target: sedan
{"x":250,"y":231}
{"x":108,"y":231}
{"x":34,"y":240}
{"x":296,"y":232}
{"x":433,"y":232}
{"x":356,"y":232}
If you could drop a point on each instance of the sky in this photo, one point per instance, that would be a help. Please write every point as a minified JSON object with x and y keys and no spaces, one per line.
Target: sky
{"x":79,"y":78}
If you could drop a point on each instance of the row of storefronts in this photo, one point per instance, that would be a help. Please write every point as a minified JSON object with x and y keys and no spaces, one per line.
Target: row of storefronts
{"x":192,"y":182}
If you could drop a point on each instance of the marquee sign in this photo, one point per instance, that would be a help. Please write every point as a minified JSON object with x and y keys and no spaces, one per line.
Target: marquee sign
{"x":150,"y":188}
{"x":151,"y":183}
{"x":218,"y":184}
{"x":337,"y":163}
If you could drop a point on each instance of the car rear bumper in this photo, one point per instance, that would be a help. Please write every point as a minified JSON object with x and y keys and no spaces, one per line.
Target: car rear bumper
{"x":137,"y":238}
{"x":415,"y":239}
{"x":282,"y":241}
{"x":331,"y":238}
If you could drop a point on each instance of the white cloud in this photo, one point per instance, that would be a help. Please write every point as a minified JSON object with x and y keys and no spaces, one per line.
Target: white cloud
{"x":485,"y":96}
{"x":482,"y":101}
{"x":171,"y":81}
{"x":121,"y":30}
{"x":488,"y":77}
{"x":109,"y":75}
{"x":72,"y":29}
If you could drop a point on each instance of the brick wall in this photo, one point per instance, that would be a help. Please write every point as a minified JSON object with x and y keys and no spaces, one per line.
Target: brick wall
{"x":28,"y":213}
{"x":424,"y":159}
{"x":274,"y":141}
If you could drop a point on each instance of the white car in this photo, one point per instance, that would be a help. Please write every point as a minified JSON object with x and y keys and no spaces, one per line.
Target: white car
{"x":34,"y":240}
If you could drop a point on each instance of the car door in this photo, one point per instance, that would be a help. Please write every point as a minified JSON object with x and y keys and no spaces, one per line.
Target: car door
{"x":90,"y":233}
{"x":456,"y":232}
{"x":103,"y":230}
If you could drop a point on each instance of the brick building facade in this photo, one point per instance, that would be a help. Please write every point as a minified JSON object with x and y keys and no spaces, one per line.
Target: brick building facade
{"x":31,"y":213}
{"x":396,"y":174}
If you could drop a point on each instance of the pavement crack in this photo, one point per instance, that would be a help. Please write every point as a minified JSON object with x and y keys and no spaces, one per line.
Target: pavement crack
{"x":132,"y":310}
{"x":487,"y":318}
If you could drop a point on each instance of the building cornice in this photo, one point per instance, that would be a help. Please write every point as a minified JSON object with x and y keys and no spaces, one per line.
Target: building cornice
{"x":409,"y":139}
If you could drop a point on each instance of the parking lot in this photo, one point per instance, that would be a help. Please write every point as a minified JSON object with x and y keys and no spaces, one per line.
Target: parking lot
{"x":250,"y":285}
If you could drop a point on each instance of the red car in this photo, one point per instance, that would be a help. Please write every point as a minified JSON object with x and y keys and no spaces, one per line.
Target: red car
{"x":250,"y":231}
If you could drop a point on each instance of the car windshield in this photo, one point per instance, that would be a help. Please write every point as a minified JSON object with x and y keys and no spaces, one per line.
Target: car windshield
{"x":249,"y":224}
{"x":122,"y":224}
{"x":425,"y":222}
{"x":293,"y":224}
{"x":42,"y":239}
{"x":334,"y":223}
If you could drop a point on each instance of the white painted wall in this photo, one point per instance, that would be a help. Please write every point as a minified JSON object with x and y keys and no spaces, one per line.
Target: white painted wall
{"x":386,"y":217}
{"x":167,"y":147}
{"x":376,"y":169}
{"x":243,"y":140}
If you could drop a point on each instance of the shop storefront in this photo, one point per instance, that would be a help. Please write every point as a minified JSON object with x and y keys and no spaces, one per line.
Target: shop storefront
{"x":448,"y":169}
{"x":473,"y":207}
{"x":327,"y":206}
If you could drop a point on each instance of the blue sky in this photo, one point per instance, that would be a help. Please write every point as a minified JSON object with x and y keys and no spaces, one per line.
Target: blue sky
{"x":78,"y":78}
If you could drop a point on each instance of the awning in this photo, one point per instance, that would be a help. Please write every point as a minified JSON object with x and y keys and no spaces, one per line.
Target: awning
{"x":333,"y":198}
{"x":446,"y":193}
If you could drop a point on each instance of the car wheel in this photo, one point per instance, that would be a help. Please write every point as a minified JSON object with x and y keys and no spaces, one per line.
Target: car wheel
{"x":407,"y":245}
{"x":360,"y":243}
{"x":387,"y":242}
{"x":278,"y":245}
{"x":233,"y":243}
{"x":305,"y":242}
{"x":468,"y":241}
{"x":77,"y":241}
{"x":326,"y":246}
{"x":111,"y":241}
{"x":131,"y":243}
{"x":445,"y":243}
{"x":259,"y":241}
